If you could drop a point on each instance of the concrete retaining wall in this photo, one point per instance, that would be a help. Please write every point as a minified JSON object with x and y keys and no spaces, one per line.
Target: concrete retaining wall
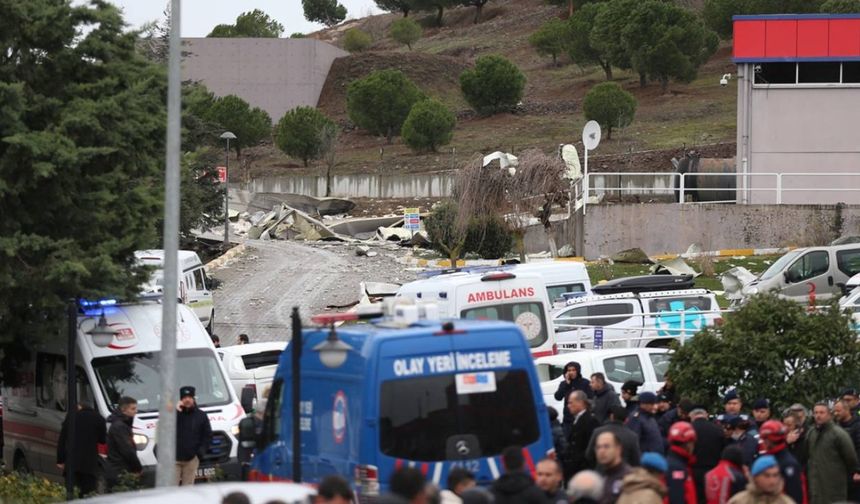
{"x":668,"y":228}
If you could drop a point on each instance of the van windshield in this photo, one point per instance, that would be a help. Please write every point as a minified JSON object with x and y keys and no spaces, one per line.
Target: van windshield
{"x":780,"y":264}
{"x":420,"y":418}
{"x":529,"y":316}
{"x":137,"y":376}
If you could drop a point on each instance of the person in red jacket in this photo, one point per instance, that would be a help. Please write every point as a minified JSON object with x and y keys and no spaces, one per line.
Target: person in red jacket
{"x":727,"y":479}
{"x":679,"y":480}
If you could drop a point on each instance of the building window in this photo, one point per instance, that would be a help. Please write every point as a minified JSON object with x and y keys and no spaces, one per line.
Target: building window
{"x":818,"y":73}
{"x":851,"y":72}
{"x":776,"y":73}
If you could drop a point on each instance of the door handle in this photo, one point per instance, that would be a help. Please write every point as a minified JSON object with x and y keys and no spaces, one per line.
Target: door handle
{"x":830,"y":281}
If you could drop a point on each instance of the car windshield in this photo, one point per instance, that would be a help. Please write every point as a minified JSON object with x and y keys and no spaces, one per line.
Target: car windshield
{"x":138,"y":376}
{"x":423,"y":418}
{"x":780,"y":264}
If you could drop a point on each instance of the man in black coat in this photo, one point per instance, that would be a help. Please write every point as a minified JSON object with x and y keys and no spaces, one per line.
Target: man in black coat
{"x":193,"y":432}
{"x":710,"y":441}
{"x":583,"y":427}
{"x":122,"y":452}
{"x":680,"y":413}
{"x":605,"y":397}
{"x":90,"y":432}
{"x":644,"y":425}
{"x":516,"y":486}
{"x":629,"y":440}
{"x":573,"y":380}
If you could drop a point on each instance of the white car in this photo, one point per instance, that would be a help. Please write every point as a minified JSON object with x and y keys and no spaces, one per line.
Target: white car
{"x":257,"y":493}
{"x":645,"y":365}
{"x":252,"y":365}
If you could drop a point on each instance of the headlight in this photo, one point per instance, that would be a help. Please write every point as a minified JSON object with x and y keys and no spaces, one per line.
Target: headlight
{"x":140,"y":441}
{"x":235,"y":431}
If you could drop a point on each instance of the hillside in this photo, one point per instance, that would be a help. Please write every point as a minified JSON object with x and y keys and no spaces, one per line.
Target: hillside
{"x":693,"y":115}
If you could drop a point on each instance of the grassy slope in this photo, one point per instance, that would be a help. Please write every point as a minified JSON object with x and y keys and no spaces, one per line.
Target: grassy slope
{"x":690,"y":114}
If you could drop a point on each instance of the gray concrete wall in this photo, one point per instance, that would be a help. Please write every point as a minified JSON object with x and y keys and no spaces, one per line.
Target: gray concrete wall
{"x":671,"y":228}
{"x":274,"y":74}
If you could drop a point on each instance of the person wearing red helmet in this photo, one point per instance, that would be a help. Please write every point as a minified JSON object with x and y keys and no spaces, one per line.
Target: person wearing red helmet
{"x":773,"y":434}
{"x":682,"y":441}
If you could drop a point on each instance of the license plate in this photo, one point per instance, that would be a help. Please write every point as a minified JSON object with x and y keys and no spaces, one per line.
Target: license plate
{"x":205,"y":472}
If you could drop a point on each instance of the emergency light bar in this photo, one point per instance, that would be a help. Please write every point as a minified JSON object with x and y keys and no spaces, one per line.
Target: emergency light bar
{"x":86,"y":303}
{"x":464,"y":269}
{"x":494,"y":277}
{"x":362,"y":313}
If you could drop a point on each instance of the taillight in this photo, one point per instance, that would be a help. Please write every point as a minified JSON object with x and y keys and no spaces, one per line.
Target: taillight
{"x":367,"y":479}
{"x":554,"y":349}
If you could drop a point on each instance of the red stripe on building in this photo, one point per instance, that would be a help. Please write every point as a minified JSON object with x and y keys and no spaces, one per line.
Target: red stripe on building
{"x":796,"y":37}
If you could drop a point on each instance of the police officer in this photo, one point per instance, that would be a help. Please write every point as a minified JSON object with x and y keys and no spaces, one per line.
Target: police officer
{"x":193,"y":431}
{"x":852,"y":398}
{"x":737,"y":427}
{"x":644,"y":424}
{"x":682,"y":442}
{"x":772,"y":435}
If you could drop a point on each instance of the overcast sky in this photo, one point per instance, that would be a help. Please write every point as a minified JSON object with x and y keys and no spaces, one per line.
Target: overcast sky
{"x":200,"y":16}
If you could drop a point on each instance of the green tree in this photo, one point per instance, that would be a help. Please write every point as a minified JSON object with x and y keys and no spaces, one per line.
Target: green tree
{"x":428,"y":125}
{"x":380,"y":102}
{"x":82,"y":120}
{"x":494,"y":85}
{"x":404,"y":6}
{"x":667,"y":41}
{"x":438,"y":5}
{"x":298,"y":35}
{"x":611,"y":19}
{"x":327,"y":12}
{"x":841,"y":7}
{"x":550,"y":39}
{"x":581,"y":44}
{"x":356,"y":40}
{"x":443,"y":232}
{"x":718,"y":15}
{"x":772,"y":348}
{"x":610,"y":106}
{"x":489,"y":236}
{"x":250,"y":125}
{"x":252,"y":24}
{"x":478,"y":5}
{"x":406,"y":31}
{"x":202,"y":203}
{"x":298,"y":133}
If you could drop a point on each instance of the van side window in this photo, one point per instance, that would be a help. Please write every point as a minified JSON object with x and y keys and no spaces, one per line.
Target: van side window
{"x":622,"y":368}
{"x":808,"y":266}
{"x":51,"y":391}
{"x":272,"y":418}
{"x":698,"y":303}
{"x":548,"y":372}
{"x":198,"y":279}
{"x":848,"y":261}
{"x":660,"y":361}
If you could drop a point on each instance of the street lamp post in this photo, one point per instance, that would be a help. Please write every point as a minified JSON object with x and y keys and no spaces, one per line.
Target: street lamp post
{"x":227,"y":135}
{"x":102,"y":336}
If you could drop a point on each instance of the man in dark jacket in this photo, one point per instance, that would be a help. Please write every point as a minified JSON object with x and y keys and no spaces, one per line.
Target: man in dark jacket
{"x":573,"y":380}
{"x":629,"y":392}
{"x":738,"y":428}
{"x":852,"y":398}
{"x":773,"y":434}
{"x":90,"y":432}
{"x":680,"y":413}
{"x":122,"y":452}
{"x":611,"y":466}
{"x":605,"y":397}
{"x":644,"y":425}
{"x":831,"y":462}
{"x":516,"y":486}
{"x":583,"y":427}
{"x":192,"y":436}
{"x":629,"y":440}
{"x":851,"y":423}
{"x":559,"y":441}
{"x":710,"y":441}
{"x":549,"y":475}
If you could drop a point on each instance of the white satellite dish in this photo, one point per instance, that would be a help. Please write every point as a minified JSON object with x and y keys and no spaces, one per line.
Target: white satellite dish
{"x":591,"y":135}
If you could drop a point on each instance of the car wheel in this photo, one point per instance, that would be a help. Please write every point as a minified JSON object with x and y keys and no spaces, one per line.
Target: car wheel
{"x":20,"y":465}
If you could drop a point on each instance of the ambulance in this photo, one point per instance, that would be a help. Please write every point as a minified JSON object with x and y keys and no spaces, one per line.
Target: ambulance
{"x":492,"y":295}
{"x":425,"y":394}
{"x":195,"y":286}
{"x":35,"y":395}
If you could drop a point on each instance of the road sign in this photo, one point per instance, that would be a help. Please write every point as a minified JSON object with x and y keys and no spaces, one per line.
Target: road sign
{"x":411,"y":219}
{"x":598,"y":338}
{"x":222,"y":174}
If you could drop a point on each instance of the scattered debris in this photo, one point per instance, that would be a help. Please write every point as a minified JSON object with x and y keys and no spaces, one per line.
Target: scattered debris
{"x":632,"y":256}
{"x":734,"y":281}
{"x":676,"y":266}
{"x":566,"y":251}
{"x":287,"y":223}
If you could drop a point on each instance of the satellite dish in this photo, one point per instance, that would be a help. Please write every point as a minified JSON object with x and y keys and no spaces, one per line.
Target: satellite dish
{"x":591,"y":135}
{"x":571,"y":159}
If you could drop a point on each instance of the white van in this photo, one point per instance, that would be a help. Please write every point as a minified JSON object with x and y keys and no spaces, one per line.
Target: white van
{"x":645,"y":365}
{"x":560,"y":277}
{"x":822,"y":270}
{"x":644,"y":319}
{"x":35,"y":396}
{"x":194,"y":285}
{"x":495,"y":295}
{"x":252,"y":365}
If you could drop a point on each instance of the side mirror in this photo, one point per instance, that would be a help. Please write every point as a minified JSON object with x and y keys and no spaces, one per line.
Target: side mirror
{"x":787,"y":276}
{"x":248,"y":398}
{"x":247,"y":439}
{"x":213,"y":283}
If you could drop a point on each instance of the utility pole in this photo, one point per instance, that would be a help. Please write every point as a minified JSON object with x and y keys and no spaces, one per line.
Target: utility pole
{"x":166,"y":430}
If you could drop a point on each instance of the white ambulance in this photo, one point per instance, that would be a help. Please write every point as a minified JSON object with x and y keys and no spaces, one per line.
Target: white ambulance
{"x":35,"y":396}
{"x":195,"y":287}
{"x":496,"y":295}
{"x":563,"y":279}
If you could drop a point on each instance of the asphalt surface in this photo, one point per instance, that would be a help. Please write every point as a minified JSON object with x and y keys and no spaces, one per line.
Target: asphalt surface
{"x":260,"y":287}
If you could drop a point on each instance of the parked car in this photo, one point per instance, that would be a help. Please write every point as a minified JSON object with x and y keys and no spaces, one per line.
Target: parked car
{"x":257,"y":493}
{"x":643,"y":319}
{"x":252,"y":365}
{"x":824,"y":271}
{"x":646,"y":365}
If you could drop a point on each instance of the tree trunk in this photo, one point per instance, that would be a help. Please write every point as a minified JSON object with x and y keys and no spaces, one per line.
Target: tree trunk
{"x":664,"y":84}
{"x":553,"y":248}
{"x":607,"y":69}
{"x":570,"y":9}
{"x":554,"y":60}
{"x":305,"y":161}
{"x":328,"y":181}
{"x":520,"y":241}
{"x":409,"y":45}
{"x":440,"y":12}
{"x":609,"y":133}
{"x":390,"y":135}
{"x":643,"y":81}
{"x":405,"y":12}
{"x":478,"y":9}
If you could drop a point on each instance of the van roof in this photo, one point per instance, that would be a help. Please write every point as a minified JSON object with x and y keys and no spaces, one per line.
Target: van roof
{"x":155,"y":257}
{"x":565,"y":357}
{"x":641,"y":295}
{"x":550,"y":267}
{"x":462,"y":278}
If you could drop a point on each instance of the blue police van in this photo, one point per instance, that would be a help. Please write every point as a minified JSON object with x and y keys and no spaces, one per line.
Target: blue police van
{"x":428,"y":394}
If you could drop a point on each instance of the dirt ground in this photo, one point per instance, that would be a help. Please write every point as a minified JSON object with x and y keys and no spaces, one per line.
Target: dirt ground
{"x":260,"y":287}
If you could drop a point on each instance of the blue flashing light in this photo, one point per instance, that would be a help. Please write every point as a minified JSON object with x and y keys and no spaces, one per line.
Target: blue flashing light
{"x":86,"y":303}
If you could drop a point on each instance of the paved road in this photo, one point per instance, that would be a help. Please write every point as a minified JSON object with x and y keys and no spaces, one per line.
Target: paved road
{"x":261,"y":286}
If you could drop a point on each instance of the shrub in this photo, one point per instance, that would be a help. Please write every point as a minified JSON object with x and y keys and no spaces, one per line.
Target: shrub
{"x":442,"y":230}
{"x":429,"y":125}
{"x":356,"y":40}
{"x":550,"y":39}
{"x":406,"y":31}
{"x":298,"y":133}
{"x":381,"y":102}
{"x":489,"y":236}
{"x":494,"y":85}
{"x":22,"y":489}
{"x":610,"y":106}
